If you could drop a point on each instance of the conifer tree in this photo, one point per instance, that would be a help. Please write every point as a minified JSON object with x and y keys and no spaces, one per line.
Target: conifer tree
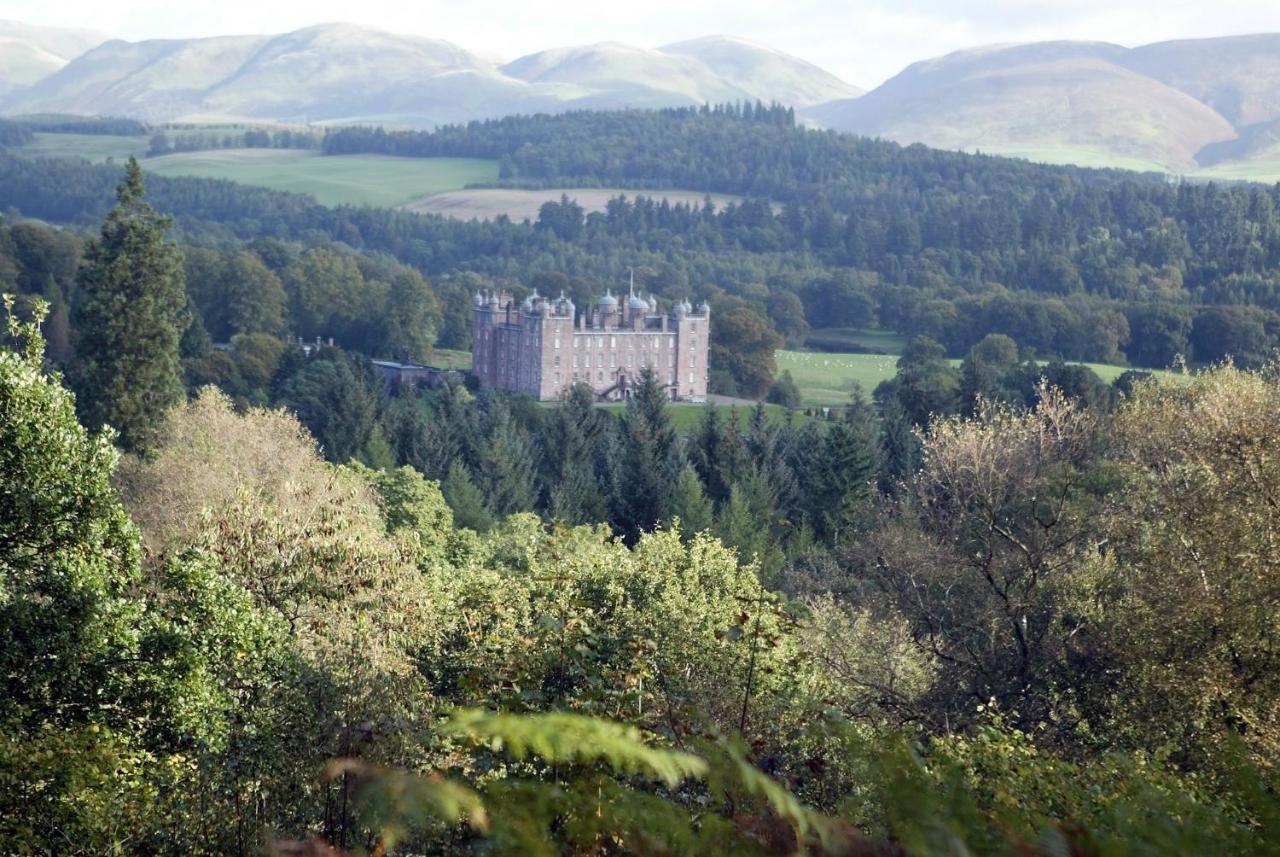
{"x":465,"y":499}
{"x":508,"y":465}
{"x":650,"y":460}
{"x":571,"y":438}
{"x":690,"y":504}
{"x":849,"y":472}
{"x":130,"y":319}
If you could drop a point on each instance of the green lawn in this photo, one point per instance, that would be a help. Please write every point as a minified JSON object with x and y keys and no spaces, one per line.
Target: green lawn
{"x":335,"y":180}
{"x":828,"y":379}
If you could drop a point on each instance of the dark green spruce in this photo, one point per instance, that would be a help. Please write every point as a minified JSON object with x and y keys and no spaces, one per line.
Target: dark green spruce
{"x":130,"y":319}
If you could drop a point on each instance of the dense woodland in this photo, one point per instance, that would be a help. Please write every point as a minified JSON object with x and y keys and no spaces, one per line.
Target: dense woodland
{"x":253,"y":600}
{"x":1085,"y":265}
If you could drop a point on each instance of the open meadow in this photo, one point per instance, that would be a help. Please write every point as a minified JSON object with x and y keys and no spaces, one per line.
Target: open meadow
{"x":333,"y":180}
{"x":827,"y":378}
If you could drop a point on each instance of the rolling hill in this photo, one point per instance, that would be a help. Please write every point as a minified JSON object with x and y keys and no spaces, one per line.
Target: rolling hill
{"x":1182,"y":106}
{"x":348,"y":73}
{"x":764,"y":73}
{"x":1072,"y":98}
{"x":29,"y":54}
{"x":1202,"y":107}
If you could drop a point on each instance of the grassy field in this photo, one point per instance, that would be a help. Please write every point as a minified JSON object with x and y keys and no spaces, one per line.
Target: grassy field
{"x":1078,"y":156}
{"x":94,"y":147}
{"x":488,"y":203}
{"x":1265,"y":168}
{"x":344,"y":179}
{"x":827,"y":379}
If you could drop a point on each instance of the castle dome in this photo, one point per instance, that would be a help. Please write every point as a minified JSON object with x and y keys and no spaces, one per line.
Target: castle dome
{"x":608,"y":300}
{"x":637,"y":302}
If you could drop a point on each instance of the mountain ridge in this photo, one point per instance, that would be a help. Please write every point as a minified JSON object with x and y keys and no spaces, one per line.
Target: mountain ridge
{"x":1180,"y":106}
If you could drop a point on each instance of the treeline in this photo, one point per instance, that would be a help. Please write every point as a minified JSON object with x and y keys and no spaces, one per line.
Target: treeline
{"x":165,"y":143}
{"x":795,"y":267}
{"x":58,"y":123}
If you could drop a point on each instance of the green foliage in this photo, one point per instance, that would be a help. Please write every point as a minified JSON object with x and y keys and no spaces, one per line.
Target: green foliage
{"x":130,"y":317}
{"x":785,"y":391}
{"x":572,"y":739}
{"x":332,"y":397}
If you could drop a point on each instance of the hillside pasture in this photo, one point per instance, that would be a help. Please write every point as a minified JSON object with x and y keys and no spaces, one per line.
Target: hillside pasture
{"x":827,"y":379}
{"x":517,"y":204}
{"x":377,"y":180}
{"x":92,"y":147}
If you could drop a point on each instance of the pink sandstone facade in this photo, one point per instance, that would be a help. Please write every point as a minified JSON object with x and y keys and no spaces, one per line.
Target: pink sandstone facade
{"x":543,"y":346}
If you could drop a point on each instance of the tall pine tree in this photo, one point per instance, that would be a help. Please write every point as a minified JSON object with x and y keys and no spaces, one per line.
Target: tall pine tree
{"x":130,"y":319}
{"x":651,"y":460}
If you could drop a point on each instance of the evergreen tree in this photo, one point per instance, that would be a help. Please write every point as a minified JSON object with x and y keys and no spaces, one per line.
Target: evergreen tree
{"x":333,"y":398}
{"x":130,"y":319}
{"x":690,"y":505}
{"x":508,"y":465}
{"x":570,"y":443}
{"x":650,"y":460}
{"x":466,"y":500}
{"x":846,"y":489}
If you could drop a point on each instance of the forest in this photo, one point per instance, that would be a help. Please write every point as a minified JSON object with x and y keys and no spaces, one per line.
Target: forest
{"x":254,"y":600}
{"x":835,"y":231}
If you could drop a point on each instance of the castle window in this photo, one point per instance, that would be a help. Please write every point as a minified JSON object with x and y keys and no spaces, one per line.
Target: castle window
{"x":575,"y":361}
{"x":613,"y":342}
{"x":692,"y":361}
{"x":557,"y":360}
{"x":557,"y":343}
{"x":690,"y":377}
{"x":631,"y":360}
{"x":671,"y":358}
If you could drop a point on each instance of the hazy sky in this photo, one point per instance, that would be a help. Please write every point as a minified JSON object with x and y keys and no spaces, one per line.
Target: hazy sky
{"x":863,"y":41}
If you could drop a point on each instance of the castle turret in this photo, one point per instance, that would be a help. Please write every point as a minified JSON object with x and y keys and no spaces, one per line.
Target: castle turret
{"x":607,"y":311}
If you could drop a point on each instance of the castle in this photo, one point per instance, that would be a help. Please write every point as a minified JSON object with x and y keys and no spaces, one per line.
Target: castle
{"x":544,"y":346}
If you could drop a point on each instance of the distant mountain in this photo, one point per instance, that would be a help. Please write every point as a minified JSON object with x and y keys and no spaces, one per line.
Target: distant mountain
{"x":29,"y":53}
{"x":347,"y":73}
{"x":1191,"y":106}
{"x":1057,"y":100}
{"x":1238,"y":76}
{"x":610,"y":74}
{"x":1178,"y":106}
{"x":764,"y":73}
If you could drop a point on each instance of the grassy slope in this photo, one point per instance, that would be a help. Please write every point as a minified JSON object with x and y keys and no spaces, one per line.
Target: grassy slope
{"x":345,"y":179}
{"x":826,"y":379}
{"x":94,"y":147}
{"x":350,"y":179}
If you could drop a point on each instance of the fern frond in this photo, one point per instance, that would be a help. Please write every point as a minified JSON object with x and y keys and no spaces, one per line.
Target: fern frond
{"x":397,"y":802}
{"x":567,"y":738}
{"x":759,"y":784}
